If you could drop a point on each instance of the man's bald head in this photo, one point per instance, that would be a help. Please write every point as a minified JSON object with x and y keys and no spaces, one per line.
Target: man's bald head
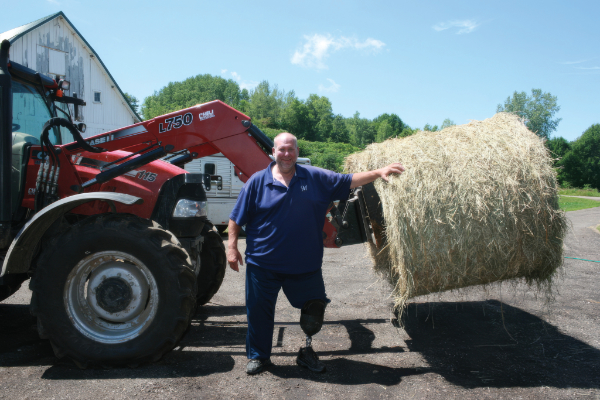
{"x":285,"y":137}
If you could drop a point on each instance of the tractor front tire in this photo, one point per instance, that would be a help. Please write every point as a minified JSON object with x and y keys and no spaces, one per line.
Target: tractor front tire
{"x":213,"y":263}
{"x":113,"y":289}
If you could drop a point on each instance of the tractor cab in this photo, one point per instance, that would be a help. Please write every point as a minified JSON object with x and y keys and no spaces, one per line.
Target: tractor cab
{"x":35,"y":100}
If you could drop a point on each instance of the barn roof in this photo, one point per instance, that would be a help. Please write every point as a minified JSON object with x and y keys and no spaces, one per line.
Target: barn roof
{"x":14,"y":34}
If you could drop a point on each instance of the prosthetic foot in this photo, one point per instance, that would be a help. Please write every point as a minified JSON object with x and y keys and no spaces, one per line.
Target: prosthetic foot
{"x":311,"y":321}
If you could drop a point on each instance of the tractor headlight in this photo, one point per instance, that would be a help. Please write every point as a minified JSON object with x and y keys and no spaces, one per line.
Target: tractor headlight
{"x":190,"y":208}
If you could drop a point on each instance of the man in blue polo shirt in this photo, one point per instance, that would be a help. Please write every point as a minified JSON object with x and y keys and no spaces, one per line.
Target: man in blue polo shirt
{"x":283,"y":208}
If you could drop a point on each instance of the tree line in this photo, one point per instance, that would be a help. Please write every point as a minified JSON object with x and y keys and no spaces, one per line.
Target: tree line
{"x":577,"y":163}
{"x":327,"y":138}
{"x":310,"y":119}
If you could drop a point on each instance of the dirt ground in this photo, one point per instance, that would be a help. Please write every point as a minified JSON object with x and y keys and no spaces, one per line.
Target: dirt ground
{"x":473,"y":344}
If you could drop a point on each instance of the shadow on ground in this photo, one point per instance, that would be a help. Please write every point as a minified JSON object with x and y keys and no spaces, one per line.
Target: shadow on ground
{"x":470,"y":344}
{"x":20,"y":345}
{"x":491,"y":344}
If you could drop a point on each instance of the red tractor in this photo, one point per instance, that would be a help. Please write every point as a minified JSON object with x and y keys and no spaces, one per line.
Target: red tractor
{"x":111,"y":230}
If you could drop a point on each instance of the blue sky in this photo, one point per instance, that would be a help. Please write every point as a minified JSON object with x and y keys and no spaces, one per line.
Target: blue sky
{"x":425,"y":61}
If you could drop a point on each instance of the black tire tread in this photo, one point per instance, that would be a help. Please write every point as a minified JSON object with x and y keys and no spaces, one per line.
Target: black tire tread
{"x":163,"y":241}
{"x":212,"y":268}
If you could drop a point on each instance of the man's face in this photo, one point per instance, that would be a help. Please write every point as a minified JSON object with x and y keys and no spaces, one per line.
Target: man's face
{"x":285,"y":153}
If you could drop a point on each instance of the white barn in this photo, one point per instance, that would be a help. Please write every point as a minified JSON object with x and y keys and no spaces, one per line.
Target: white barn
{"x":54,"y":47}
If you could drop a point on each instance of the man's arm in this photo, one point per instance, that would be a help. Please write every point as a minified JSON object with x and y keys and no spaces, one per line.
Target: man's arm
{"x":233,"y":255}
{"x":362,"y":178}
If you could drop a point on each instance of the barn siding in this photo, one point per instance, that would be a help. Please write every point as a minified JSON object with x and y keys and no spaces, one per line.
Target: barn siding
{"x":82,"y":70}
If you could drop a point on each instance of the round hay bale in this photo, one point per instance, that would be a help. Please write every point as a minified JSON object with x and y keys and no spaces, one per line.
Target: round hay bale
{"x":478,"y":203}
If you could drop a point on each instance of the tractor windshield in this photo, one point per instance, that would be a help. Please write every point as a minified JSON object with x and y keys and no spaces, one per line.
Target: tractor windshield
{"x":30,"y":113}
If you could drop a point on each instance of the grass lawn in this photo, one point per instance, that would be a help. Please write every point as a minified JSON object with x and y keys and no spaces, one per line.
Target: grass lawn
{"x":575,"y":203}
{"x":579,"y":192}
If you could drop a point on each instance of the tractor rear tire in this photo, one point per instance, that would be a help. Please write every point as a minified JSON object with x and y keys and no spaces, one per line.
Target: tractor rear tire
{"x":213,"y":263}
{"x":113,"y":289}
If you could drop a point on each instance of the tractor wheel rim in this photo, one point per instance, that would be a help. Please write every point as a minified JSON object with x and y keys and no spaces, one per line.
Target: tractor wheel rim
{"x":111,"y":297}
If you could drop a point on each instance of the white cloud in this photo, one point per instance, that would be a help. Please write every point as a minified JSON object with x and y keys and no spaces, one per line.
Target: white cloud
{"x":573,"y":62}
{"x":318,"y":47}
{"x":587,"y":67}
{"x":248,"y":85}
{"x":53,"y":2}
{"x":243,"y":84}
{"x":331,"y":89}
{"x":223,"y":71}
{"x":464,"y":26}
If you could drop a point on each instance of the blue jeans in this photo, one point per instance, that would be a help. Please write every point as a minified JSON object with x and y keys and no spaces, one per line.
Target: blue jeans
{"x":262,"y":289}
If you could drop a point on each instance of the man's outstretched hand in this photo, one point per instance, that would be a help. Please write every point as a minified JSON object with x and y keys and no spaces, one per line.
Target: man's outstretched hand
{"x":362,"y":178}
{"x":394,"y":168}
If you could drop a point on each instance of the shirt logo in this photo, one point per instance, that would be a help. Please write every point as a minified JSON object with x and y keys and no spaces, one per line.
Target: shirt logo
{"x":304,"y":188}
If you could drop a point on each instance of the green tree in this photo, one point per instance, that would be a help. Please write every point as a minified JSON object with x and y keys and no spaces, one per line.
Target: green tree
{"x":244,"y":94}
{"x":447,"y":123}
{"x":570,"y":169}
{"x":244,"y":104}
{"x":320,"y":116}
{"x":559,"y":147}
{"x":387,"y":126}
{"x":195,"y":90}
{"x":384,"y":132}
{"x":133,"y":101}
{"x":430,"y":128}
{"x":407,"y":131}
{"x":582,"y":164}
{"x":295,"y":117}
{"x":326,"y":154}
{"x":266,"y":105}
{"x":339,"y":130}
{"x":362,"y":131}
{"x":537,"y":110}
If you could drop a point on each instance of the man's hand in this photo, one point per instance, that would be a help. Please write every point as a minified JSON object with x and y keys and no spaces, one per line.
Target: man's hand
{"x":234,"y":257}
{"x":362,"y":178}
{"x":394,"y":168}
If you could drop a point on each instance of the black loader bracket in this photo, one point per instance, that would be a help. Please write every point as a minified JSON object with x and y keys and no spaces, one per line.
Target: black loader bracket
{"x":212,"y":179}
{"x":360,"y":218}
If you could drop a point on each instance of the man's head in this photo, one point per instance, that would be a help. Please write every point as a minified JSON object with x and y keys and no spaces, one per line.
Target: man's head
{"x":285,"y":152}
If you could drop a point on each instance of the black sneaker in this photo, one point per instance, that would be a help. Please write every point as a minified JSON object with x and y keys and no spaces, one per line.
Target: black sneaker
{"x":307,"y":358}
{"x":256,"y":366}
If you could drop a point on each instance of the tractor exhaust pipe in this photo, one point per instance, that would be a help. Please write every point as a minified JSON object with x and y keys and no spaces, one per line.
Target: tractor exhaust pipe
{"x":5,"y":147}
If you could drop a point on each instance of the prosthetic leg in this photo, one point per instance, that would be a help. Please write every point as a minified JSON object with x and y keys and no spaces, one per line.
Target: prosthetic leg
{"x":311,"y":321}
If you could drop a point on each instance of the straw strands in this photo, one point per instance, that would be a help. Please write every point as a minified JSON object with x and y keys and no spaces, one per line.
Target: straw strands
{"x":477,"y":204}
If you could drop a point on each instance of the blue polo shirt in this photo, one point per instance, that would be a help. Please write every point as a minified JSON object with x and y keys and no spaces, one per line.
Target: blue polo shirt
{"x":284,"y":225}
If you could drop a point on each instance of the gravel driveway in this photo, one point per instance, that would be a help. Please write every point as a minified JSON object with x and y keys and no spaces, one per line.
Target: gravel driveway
{"x":500,"y":342}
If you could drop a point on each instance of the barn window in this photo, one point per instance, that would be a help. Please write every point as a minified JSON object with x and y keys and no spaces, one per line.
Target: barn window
{"x":56,"y":62}
{"x":97,"y":97}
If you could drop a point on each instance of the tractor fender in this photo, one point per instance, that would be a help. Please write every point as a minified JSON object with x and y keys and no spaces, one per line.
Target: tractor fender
{"x":21,"y":251}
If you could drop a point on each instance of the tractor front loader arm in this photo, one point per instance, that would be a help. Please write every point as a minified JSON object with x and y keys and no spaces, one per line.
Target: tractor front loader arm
{"x":202,"y":130}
